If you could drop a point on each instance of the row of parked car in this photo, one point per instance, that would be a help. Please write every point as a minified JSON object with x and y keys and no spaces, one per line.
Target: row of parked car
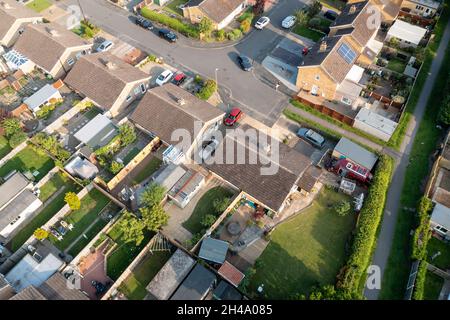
{"x":162,"y":33}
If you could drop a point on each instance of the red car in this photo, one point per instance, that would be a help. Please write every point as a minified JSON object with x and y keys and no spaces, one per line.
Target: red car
{"x":179,"y":79}
{"x":233,"y":117}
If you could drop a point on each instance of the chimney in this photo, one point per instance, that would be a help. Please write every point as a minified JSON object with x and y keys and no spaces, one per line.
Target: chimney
{"x":181,"y":101}
{"x":323,"y":46}
{"x":110,"y":65}
{"x":352,"y":9}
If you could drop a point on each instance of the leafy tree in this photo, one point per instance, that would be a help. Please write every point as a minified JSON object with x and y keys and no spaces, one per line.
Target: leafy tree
{"x":314,"y":9}
{"x":245,"y":25}
{"x":16,"y":139}
{"x":11,"y":126}
{"x":132,"y":229}
{"x":342,"y":208}
{"x":40,"y":234}
{"x":326,"y":292}
{"x":127,"y":134}
{"x":154,"y":217}
{"x":71,"y":198}
{"x":205,"y":26}
{"x":208,"y":220}
{"x":221,"y":204}
{"x":444,"y":112}
{"x":302,"y":17}
{"x":153,"y":195}
{"x":116,"y":167}
{"x":394,"y":42}
{"x":220,"y":35}
{"x":208,"y":88}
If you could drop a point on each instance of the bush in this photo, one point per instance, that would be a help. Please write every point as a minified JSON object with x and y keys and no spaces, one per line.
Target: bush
{"x":314,"y":23}
{"x":245,"y":25}
{"x":207,"y":90}
{"x":16,"y":139}
{"x":342,"y":208}
{"x":422,"y":233}
{"x":419,"y":285}
{"x":72,"y":200}
{"x":116,"y":167}
{"x":354,"y":272}
{"x":173,"y":23}
{"x":230,"y":36}
{"x":208,"y":220}
{"x":237,"y":33}
{"x":152,"y":58}
{"x":220,"y":205}
{"x":220,"y":35}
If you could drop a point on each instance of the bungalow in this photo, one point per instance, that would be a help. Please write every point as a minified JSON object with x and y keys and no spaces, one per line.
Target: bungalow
{"x":109,"y":82}
{"x":408,"y":34}
{"x":51,"y":48}
{"x":424,"y":8}
{"x":14,"y":16}
{"x":220,"y":12}
{"x":46,"y":95}
{"x":167,"y":109}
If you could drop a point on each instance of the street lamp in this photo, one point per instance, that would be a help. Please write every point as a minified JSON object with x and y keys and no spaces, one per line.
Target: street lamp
{"x":81,"y":9}
{"x":217,"y":84}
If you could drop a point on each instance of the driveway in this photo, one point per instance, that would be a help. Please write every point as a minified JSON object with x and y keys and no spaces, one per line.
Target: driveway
{"x":245,"y":89}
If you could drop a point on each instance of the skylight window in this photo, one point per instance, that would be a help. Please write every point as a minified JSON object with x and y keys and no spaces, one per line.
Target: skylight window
{"x":347,"y":53}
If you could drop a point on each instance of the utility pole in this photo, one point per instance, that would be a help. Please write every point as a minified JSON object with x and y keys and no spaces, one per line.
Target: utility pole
{"x":217,"y":84}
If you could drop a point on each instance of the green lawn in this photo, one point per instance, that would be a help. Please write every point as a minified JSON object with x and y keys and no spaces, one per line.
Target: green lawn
{"x":443,"y":260}
{"x":204,"y":207}
{"x":39,"y":5}
{"x":31,"y":160}
{"x":333,"y":4}
{"x":306,"y":250}
{"x":433,"y":286}
{"x":304,"y":31}
{"x":172,"y":7}
{"x":54,"y":184}
{"x":83,"y":242}
{"x":148,"y":170}
{"x":133,"y":153}
{"x":396,"y":65}
{"x":91,"y":205}
{"x":49,"y":211}
{"x":398,"y":267}
{"x":4,"y":147}
{"x":134,"y":285}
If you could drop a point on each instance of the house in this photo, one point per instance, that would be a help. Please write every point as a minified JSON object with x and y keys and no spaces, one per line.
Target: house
{"x":226,"y":292}
{"x":197,"y":284}
{"x":264,"y":169}
{"x":109,"y":82}
{"x":407,"y":34}
{"x":54,"y":288}
{"x":81,"y":168}
{"x":186,"y":188}
{"x":440,"y":220}
{"x":353,"y":152}
{"x":167,"y":280}
{"x":423,"y":8}
{"x":6,"y":291}
{"x":220,"y":12}
{"x":46,"y":95}
{"x":51,"y":48}
{"x":33,"y":269}
{"x":168,"y":111}
{"x":213,"y":250}
{"x":14,"y":16}
{"x":97,"y":133}
{"x":375,"y":124}
{"x":389,"y":9}
{"x":231,"y":274}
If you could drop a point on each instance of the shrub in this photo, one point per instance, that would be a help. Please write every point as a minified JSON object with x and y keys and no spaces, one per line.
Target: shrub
{"x":207,"y":90}
{"x":444,"y":112}
{"x":342,"y":208}
{"x":419,"y":285}
{"x":220,"y":205}
{"x":314,"y":23}
{"x":245,"y":25}
{"x":16,"y":139}
{"x":230,"y":36}
{"x":208,"y":220}
{"x":11,"y":126}
{"x":173,"y":23}
{"x":237,"y":33}
{"x":220,"y":35}
{"x":116,"y":167}
{"x":72,"y":200}
{"x":152,"y":58}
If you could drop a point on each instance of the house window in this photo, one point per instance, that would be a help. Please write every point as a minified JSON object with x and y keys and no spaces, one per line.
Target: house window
{"x":346,"y":101}
{"x":128,"y":98}
{"x":317,"y":77}
{"x":441,"y":229}
{"x":70,"y":61}
{"x":427,"y":11}
{"x":143,"y":89}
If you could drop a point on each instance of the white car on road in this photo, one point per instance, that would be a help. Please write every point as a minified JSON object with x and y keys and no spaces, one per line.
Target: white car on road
{"x":105,"y":46}
{"x":288,"y":22}
{"x":164,"y":77}
{"x":262,"y":22}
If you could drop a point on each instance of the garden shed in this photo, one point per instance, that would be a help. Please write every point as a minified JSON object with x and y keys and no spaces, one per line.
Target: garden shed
{"x":213,"y":250}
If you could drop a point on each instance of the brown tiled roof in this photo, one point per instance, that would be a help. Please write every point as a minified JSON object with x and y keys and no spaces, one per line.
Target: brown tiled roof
{"x":309,"y":178}
{"x":270,"y":190}
{"x":102,"y":77}
{"x":218,"y":10}
{"x":365,"y":26}
{"x":160,"y":113}
{"x":14,"y":11}
{"x":29,"y":293}
{"x":335,"y":65}
{"x":56,"y":288}
{"x":231,"y":273}
{"x":391,"y":7}
{"x":45,"y":49}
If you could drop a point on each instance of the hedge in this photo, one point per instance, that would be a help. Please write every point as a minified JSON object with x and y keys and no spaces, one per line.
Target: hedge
{"x":419,"y":285}
{"x":173,"y":23}
{"x":207,"y":90}
{"x":354,"y":272}
{"x":422,"y":233}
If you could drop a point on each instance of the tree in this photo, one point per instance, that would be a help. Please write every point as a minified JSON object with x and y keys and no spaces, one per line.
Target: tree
{"x":153,"y":195}
{"x":302,"y":17}
{"x":205,"y":26}
{"x":72,"y":200}
{"x":132,"y":229}
{"x":394,"y":42}
{"x":16,"y":139}
{"x":40,"y":234}
{"x":314,"y":9}
{"x":342,"y":208}
{"x":245,"y":25}
{"x":127,"y":134}
{"x":259,"y":7}
{"x":208,"y":220}
{"x":221,"y":204}
{"x":444,"y":112}
{"x":154,"y":218}
{"x":11,"y":126}
{"x":116,"y":167}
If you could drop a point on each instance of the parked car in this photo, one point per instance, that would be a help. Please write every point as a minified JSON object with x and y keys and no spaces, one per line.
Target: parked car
{"x":179,"y":79}
{"x":288,"y":22}
{"x":144,"y":23}
{"x":164,"y":77}
{"x":234,"y":116}
{"x":331,"y":15}
{"x":262,"y":22}
{"x":105,"y":46}
{"x":311,"y":136}
{"x":168,"y":35}
{"x":245,"y":63}
{"x":208,"y":149}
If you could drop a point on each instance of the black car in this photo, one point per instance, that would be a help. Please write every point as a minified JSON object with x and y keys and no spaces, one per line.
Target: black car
{"x":331,"y":15}
{"x":168,"y":35}
{"x":144,"y":23}
{"x":245,"y":63}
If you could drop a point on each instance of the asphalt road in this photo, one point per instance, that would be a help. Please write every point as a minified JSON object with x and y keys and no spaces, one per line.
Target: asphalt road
{"x":253,"y":91}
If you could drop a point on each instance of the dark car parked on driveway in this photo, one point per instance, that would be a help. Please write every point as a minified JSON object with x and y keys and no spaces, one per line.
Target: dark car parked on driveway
{"x":245,"y":63}
{"x":144,"y":23}
{"x":331,"y":15}
{"x":168,"y":35}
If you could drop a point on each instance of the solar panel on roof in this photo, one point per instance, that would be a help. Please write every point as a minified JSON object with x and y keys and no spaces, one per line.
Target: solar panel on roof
{"x":347,"y":53}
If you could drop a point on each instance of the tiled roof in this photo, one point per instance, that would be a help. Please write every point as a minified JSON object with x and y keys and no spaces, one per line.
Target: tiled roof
{"x":10,"y":11}
{"x":218,"y":10}
{"x":231,"y":273}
